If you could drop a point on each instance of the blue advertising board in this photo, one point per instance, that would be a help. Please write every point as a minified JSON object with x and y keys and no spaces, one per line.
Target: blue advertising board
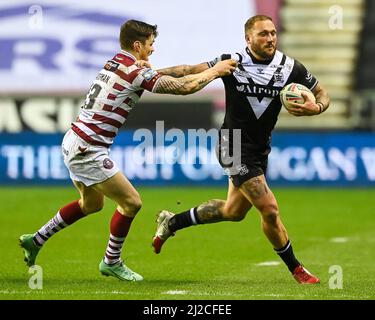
{"x":309,"y":159}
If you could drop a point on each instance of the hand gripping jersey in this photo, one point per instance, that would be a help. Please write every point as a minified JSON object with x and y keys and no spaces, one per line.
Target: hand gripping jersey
{"x":252,"y":95}
{"x":113,"y":94}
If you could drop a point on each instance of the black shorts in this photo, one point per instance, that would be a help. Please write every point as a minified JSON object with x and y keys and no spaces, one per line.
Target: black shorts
{"x":240,"y":164}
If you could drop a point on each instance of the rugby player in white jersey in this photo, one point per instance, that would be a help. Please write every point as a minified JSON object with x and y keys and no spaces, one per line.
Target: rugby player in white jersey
{"x":252,"y":106}
{"x":85,"y":147}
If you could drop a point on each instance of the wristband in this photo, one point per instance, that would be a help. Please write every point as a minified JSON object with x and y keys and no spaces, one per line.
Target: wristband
{"x":321,"y":107}
{"x":213,"y":62}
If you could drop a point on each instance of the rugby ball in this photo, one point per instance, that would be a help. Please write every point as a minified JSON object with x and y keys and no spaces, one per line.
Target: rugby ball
{"x":292,"y":93}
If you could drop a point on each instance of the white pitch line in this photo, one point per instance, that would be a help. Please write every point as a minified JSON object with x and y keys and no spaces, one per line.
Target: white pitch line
{"x":268,"y":263}
{"x":173,"y":292}
{"x":47,"y":292}
{"x":339,"y":240}
{"x":226,"y":294}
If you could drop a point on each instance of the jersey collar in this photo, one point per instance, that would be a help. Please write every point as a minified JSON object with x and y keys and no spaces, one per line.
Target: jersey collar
{"x":129,"y":55}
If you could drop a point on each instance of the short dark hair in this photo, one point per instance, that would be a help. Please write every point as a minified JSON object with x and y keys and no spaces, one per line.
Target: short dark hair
{"x":250,"y":23}
{"x":134,"y":30}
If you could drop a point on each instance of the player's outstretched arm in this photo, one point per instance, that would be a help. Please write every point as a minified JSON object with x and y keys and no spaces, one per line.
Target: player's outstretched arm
{"x":183,"y":70}
{"x":193,"y":83}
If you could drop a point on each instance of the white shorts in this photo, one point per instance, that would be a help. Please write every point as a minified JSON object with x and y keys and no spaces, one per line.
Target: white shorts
{"x":87,"y":163}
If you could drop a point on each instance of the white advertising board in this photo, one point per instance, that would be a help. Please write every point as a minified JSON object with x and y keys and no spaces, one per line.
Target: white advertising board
{"x":52,"y":46}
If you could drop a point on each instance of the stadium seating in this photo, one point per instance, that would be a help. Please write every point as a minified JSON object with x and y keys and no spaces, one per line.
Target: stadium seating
{"x":313,"y":33}
{"x":363,"y":102}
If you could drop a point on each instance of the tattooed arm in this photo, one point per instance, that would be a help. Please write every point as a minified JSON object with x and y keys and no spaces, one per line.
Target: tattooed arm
{"x":183,"y":70}
{"x":183,"y":86}
{"x":194,"y":82}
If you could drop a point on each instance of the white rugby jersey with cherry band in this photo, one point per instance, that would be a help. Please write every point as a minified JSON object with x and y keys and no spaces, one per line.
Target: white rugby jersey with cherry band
{"x":117,"y":88}
{"x":252,"y":106}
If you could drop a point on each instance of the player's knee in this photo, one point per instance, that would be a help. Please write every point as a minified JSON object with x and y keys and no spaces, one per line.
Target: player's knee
{"x":133,"y":205}
{"x":234,"y":215}
{"x":270,"y":215}
{"x":238,"y":217}
{"x":136,"y":204}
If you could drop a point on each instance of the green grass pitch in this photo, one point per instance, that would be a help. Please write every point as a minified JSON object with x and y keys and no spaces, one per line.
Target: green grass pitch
{"x":328,"y":227}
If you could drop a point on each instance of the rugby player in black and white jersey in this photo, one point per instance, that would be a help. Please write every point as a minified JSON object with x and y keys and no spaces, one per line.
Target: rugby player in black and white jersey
{"x":252,"y":105}
{"x":113,"y":94}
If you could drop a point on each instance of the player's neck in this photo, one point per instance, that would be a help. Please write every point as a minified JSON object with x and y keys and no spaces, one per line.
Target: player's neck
{"x":256,"y":58}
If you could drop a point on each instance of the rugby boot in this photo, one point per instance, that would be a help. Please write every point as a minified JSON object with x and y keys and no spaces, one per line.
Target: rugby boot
{"x":120,"y":271}
{"x":30,"y":249}
{"x":303,"y":276}
{"x":162,"y":230}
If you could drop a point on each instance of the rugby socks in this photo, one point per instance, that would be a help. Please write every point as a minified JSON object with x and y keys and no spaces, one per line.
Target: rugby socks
{"x":119,"y":229}
{"x":64,"y":217}
{"x":183,"y":220}
{"x":287,"y":255}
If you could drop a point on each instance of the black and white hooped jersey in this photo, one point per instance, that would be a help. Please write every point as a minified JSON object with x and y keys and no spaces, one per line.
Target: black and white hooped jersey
{"x":252,"y":94}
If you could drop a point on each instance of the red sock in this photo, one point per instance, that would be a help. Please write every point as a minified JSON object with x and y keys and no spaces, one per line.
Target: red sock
{"x":66,"y":216}
{"x":120,"y":225}
{"x":71,"y":212}
{"x":119,"y":228}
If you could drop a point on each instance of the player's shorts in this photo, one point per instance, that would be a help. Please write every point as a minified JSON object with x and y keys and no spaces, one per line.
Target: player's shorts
{"x":246,"y":163}
{"x":87,"y":163}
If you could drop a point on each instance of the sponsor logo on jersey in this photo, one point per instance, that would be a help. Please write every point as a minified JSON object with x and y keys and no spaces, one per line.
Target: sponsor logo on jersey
{"x":309,"y":76}
{"x":242,"y":170}
{"x":243,"y":73}
{"x":289,"y":66}
{"x":149,"y":74}
{"x":260,"y":71}
{"x":275,"y":66}
{"x":278,"y":77}
{"x":259,"y":90}
{"x":111,"y":66}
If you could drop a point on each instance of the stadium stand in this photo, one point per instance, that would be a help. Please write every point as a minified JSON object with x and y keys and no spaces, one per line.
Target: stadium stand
{"x":324,"y":36}
{"x":363,"y":102}
{"x":366,"y":64}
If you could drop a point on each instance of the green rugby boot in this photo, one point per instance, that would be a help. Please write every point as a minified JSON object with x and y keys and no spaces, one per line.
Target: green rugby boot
{"x":119,"y":271}
{"x":30,"y":249}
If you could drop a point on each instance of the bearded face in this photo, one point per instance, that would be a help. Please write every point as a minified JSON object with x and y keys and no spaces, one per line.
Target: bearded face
{"x":262,"y":39}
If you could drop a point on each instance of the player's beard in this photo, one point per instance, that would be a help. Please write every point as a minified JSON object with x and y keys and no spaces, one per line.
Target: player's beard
{"x":266,"y":55}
